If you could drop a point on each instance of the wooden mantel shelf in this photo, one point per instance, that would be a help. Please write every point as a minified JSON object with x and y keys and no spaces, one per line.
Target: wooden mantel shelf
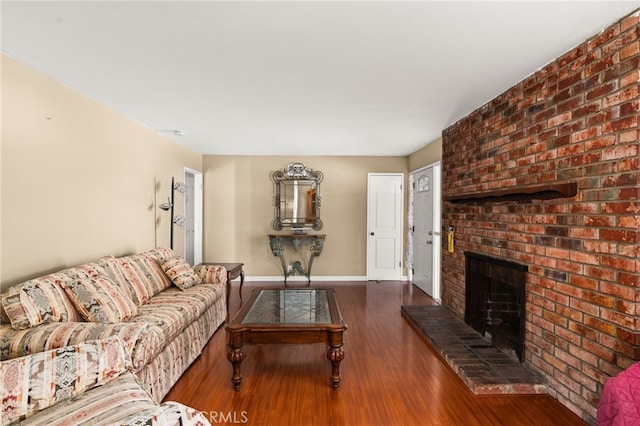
{"x":522,"y":193}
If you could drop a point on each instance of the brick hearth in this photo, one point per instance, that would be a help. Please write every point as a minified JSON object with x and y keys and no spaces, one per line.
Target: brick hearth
{"x":483,"y":368}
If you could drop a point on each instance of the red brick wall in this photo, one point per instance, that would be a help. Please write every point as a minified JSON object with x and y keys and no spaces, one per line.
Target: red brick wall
{"x":575,"y":120}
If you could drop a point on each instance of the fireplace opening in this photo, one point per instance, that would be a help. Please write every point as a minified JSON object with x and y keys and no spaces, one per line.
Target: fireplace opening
{"x":495,"y":301}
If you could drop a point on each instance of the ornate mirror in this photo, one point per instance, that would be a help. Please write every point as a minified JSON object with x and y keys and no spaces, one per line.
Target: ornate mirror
{"x":297,"y":198}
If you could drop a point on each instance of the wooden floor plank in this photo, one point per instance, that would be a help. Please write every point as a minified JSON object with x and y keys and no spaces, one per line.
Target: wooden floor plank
{"x":390,"y":375}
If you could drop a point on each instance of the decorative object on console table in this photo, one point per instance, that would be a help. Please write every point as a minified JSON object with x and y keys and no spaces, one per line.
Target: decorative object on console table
{"x":178,"y":220}
{"x":278,"y":243}
{"x":234,"y":270}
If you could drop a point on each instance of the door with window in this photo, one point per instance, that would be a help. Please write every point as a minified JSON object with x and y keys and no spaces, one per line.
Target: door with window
{"x":423,"y":232}
{"x":426,"y":233}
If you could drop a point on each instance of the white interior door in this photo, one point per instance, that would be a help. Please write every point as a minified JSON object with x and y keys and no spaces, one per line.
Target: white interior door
{"x":384,"y":226}
{"x":423,"y":230}
{"x":193,"y":216}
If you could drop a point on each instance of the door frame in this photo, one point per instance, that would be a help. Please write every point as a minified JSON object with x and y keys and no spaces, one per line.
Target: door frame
{"x":198,"y":202}
{"x":437,"y":224}
{"x":400,"y":235}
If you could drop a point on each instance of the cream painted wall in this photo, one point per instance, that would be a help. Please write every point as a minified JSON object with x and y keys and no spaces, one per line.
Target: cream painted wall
{"x":79,"y":180}
{"x":239,"y":210}
{"x":426,"y":155}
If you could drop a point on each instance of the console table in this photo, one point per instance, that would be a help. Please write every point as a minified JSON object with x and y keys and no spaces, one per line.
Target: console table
{"x":278,"y":243}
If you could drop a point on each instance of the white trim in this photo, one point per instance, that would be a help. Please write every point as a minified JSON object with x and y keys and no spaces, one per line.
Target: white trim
{"x":437,"y":226}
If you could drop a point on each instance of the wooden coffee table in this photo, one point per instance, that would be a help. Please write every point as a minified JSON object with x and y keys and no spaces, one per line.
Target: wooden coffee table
{"x":287,"y":316}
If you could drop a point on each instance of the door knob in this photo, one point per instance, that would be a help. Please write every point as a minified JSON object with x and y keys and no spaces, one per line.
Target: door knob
{"x":372,"y":233}
{"x":429,"y":242}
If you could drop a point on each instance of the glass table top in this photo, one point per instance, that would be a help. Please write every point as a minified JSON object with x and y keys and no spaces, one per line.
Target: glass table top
{"x":290,"y":306}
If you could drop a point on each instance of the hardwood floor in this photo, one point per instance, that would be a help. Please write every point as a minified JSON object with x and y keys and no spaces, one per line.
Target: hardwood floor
{"x":390,"y":376}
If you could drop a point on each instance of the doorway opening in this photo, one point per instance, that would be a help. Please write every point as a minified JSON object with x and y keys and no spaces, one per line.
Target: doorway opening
{"x":193,"y":216}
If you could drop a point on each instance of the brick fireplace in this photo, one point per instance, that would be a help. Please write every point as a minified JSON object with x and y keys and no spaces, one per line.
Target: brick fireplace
{"x":506,"y":168}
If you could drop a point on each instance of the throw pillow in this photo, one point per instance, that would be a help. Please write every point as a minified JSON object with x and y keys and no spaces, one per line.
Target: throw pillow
{"x":144,"y":275}
{"x":100,"y":300}
{"x":43,"y":300}
{"x":112,"y":270}
{"x":162,"y":252}
{"x":14,"y":309}
{"x":179,"y":272}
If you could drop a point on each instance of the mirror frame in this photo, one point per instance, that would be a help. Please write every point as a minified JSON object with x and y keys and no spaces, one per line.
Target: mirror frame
{"x":297,"y":172}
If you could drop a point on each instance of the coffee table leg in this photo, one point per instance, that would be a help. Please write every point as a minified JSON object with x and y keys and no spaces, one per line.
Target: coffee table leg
{"x":335,"y":354}
{"x":235,"y":355}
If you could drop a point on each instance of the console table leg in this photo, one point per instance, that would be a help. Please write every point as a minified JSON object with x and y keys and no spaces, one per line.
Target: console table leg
{"x":235,"y":355}
{"x":283,"y":261}
{"x":228,"y":294}
{"x":311,"y":257}
{"x":316,"y":249}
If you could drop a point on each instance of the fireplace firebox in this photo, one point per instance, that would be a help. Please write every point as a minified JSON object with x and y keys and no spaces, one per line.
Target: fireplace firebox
{"x":495,"y":301}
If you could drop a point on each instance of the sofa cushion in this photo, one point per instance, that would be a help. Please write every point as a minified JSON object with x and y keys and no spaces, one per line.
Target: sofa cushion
{"x":179,"y":272}
{"x":144,"y":275}
{"x":141,"y":343}
{"x":171,"y":311}
{"x":100,"y":300}
{"x":35,"y":382}
{"x":122,"y":402}
{"x":102,"y":405}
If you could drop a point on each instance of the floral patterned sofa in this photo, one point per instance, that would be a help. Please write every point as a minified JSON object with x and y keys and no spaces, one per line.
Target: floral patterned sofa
{"x":86,"y":384}
{"x":164,"y":311}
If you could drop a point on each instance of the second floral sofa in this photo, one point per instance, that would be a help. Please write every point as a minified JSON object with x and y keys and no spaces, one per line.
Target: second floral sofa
{"x":89,"y":384}
{"x":164,"y":311}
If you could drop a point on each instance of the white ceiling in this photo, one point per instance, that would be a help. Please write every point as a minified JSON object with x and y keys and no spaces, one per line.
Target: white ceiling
{"x":298,"y":78}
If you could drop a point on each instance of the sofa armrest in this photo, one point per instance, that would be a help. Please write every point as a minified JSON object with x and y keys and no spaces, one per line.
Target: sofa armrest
{"x":35,"y":382}
{"x":211,"y":274}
